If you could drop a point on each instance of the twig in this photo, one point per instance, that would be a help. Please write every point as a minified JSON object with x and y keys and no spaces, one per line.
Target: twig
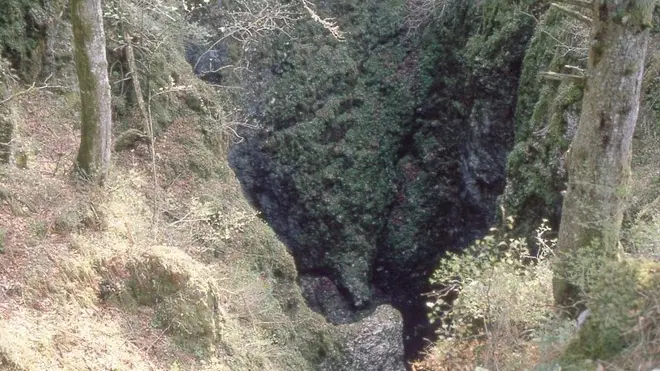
{"x":562,"y":77}
{"x":32,"y":88}
{"x":572,"y":13}
{"x":160,"y":336}
{"x":183,"y":219}
{"x":422,"y":12}
{"x":578,"y":3}
{"x":152,"y":147}
{"x":252,"y":318}
{"x":254,"y":23}
{"x":581,"y":51}
{"x":327,"y":23}
{"x":240,"y":138}
{"x":575,"y":68}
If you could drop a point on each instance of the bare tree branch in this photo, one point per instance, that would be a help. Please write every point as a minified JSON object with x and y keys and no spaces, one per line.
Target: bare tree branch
{"x":32,"y":88}
{"x":578,"y":3}
{"x":578,"y":69}
{"x":254,"y":20}
{"x":421,"y":12}
{"x":327,"y":23}
{"x":562,"y":77}
{"x":572,"y":13}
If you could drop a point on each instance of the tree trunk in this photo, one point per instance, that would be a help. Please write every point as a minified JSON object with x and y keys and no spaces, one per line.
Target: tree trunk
{"x":598,"y":162}
{"x":92,"y":69}
{"x":135,"y":79}
{"x":6,"y":122}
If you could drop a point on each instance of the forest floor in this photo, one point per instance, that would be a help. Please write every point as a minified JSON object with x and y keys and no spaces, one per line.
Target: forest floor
{"x":79,"y":264}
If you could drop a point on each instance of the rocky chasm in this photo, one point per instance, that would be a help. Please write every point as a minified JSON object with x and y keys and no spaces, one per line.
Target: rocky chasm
{"x":376,"y":155}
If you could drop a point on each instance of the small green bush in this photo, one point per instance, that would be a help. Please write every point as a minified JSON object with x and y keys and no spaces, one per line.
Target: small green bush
{"x":617,"y":294}
{"x":38,"y":229}
{"x":495,"y":284}
{"x":76,"y":217}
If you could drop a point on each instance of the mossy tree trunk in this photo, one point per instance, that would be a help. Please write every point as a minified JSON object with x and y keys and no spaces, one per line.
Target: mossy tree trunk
{"x":6,"y":122}
{"x":134,"y":75}
{"x":598,"y":162}
{"x":92,"y":69}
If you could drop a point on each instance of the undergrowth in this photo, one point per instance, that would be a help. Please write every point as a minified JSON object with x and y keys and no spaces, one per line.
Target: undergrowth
{"x":87,"y":282}
{"x":493,"y":303}
{"x":495,"y":309}
{"x":166,"y":267}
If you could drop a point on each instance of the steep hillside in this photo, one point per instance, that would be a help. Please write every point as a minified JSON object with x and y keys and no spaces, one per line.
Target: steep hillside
{"x":166,"y":266}
{"x":516,"y":325}
{"x":90,"y":280}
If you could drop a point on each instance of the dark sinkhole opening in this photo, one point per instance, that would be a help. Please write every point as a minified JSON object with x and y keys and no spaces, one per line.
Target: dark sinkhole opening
{"x":343,"y":274}
{"x":377,"y":155}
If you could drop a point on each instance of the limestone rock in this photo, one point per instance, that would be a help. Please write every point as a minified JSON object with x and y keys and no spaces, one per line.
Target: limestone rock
{"x":373,"y":344}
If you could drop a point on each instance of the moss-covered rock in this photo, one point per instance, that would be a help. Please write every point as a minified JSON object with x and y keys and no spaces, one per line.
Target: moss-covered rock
{"x":26,"y":35}
{"x":547,"y":114}
{"x":375,"y":343}
{"x":181,"y":291}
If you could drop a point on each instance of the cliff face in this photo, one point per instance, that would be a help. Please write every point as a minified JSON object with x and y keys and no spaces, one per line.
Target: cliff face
{"x":379,"y":153}
{"x":547,"y":115}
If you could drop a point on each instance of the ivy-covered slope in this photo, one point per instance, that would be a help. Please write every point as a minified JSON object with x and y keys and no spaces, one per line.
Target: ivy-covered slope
{"x":379,"y":153}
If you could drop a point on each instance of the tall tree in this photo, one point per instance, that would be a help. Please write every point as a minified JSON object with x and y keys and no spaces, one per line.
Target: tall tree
{"x":6,"y":122}
{"x":92,"y":69}
{"x":598,"y":162}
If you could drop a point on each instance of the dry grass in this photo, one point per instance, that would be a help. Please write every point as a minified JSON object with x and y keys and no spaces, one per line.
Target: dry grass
{"x":87,"y":282}
{"x":51,"y":316}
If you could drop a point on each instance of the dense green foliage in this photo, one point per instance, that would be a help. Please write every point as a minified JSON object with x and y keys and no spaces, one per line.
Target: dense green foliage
{"x":22,"y":34}
{"x":620,"y":293}
{"x":371,"y":142}
{"x":547,"y":113}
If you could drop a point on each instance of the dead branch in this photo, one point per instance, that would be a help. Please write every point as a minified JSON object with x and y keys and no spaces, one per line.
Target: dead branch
{"x":327,"y":23}
{"x":577,"y":69}
{"x":133,"y":74}
{"x":562,"y":77}
{"x":255,"y":20}
{"x":572,"y":13}
{"x":421,"y":12}
{"x":32,"y":88}
{"x":578,"y":3}
{"x":569,"y":46}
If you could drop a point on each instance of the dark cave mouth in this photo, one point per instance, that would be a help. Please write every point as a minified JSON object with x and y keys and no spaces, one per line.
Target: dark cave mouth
{"x":418,"y":331}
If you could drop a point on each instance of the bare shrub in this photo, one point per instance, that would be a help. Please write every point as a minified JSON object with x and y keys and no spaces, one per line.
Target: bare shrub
{"x":422,"y":12}
{"x":249,"y":21}
{"x":571,"y":39}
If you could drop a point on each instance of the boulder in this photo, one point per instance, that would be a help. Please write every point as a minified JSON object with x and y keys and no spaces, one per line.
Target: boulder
{"x":372,"y":344}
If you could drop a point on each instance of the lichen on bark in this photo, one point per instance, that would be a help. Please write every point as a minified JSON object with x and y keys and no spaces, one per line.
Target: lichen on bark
{"x":93,"y":157}
{"x":599,"y":158}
